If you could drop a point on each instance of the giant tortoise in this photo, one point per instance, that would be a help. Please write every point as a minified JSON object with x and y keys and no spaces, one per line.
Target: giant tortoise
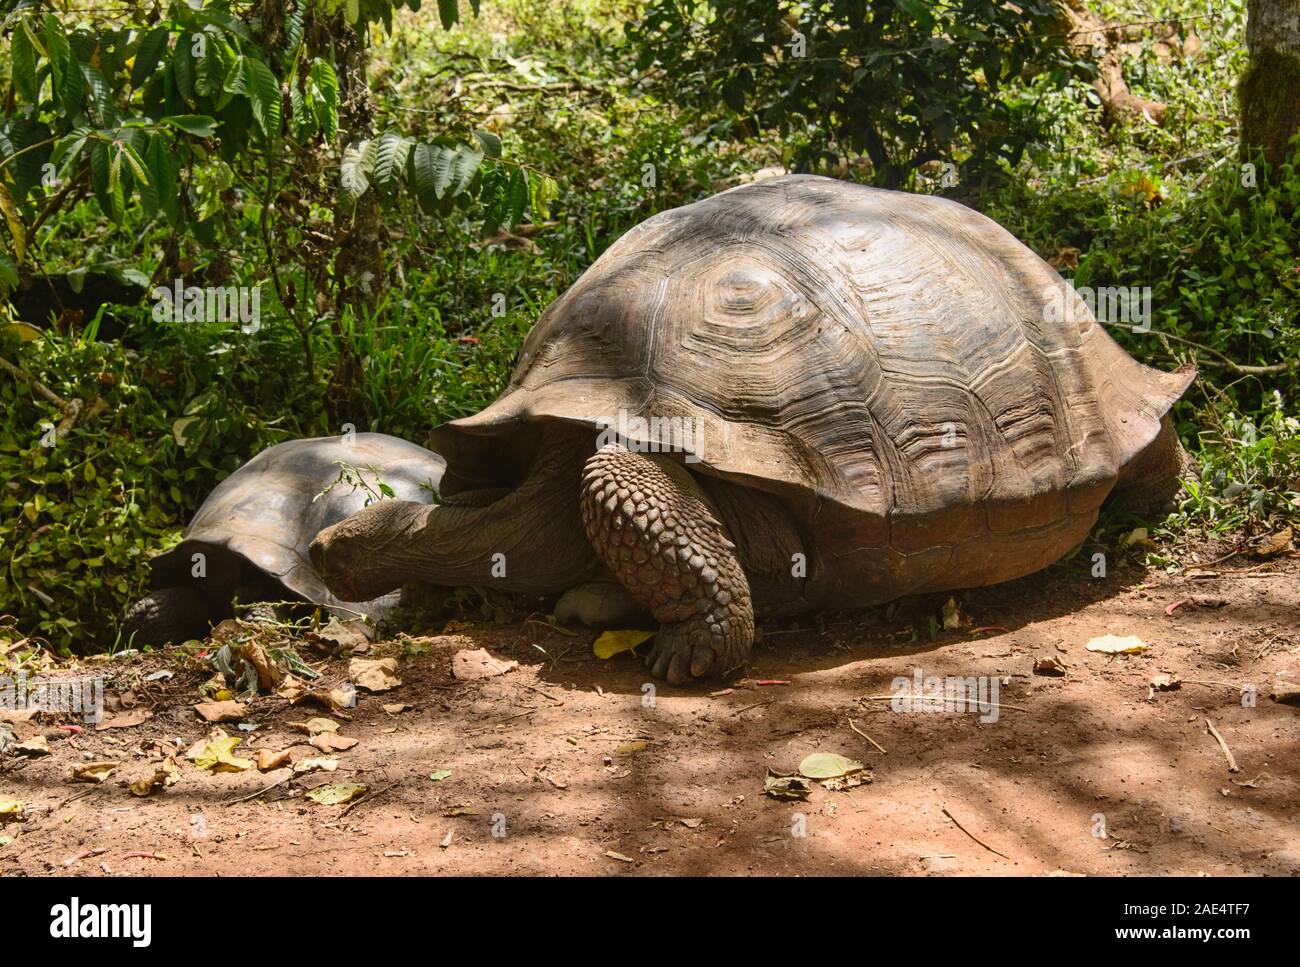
{"x":249,"y":539}
{"x":799,"y":393}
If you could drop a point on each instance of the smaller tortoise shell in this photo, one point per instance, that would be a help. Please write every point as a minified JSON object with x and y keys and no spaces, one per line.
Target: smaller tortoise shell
{"x":266,"y":513}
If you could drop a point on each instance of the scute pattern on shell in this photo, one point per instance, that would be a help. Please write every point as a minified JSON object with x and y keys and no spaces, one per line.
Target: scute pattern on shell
{"x":882,"y":358}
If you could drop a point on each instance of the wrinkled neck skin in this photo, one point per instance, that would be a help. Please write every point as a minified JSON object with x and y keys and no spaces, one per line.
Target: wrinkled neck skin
{"x":529,"y":540}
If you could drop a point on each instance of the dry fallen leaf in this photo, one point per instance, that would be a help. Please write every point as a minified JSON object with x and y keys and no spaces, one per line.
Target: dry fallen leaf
{"x":315,"y":765}
{"x":34,"y":747}
{"x":10,"y":809}
{"x":93,"y":771}
{"x":468,"y":666}
{"x":292,"y":689}
{"x":125,"y":721}
{"x":221,"y":711}
{"x":1048,"y":665}
{"x":374,"y":675}
{"x":396,"y":708}
{"x":267,"y":760}
{"x":268,"y":672}
{"x":315,"y":726}
{"x":340,"y":635}
{"x":1275,"y":543}
{"x":330,"y":742}
{"x":16,"y":715}
{"x":828,"y":765}
{"x":166,"y":774}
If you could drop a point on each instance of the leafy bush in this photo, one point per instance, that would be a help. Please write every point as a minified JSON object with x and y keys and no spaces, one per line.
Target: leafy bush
{"x":81,"y":513}
{"x":904,"y":81}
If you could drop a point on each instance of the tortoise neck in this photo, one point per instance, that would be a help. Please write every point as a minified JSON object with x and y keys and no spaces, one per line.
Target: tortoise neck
{"x":530,"y":539}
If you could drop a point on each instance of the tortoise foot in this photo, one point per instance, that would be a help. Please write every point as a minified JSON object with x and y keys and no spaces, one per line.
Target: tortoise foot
{"x":653,"y":528}
{"x":695,"y":649}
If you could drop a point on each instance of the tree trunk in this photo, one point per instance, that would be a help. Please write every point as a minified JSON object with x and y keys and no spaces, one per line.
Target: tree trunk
{"x":1269,"y":90}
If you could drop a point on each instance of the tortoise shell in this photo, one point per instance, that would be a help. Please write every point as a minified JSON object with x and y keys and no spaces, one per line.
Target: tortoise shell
{"x":887,"y":363}
{"x":265,"y":514}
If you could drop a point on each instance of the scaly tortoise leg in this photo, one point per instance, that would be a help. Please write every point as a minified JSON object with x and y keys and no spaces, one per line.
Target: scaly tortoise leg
{"x":650,"y":524}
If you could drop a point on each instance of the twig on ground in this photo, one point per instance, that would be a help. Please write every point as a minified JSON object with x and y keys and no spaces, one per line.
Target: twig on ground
{"x":1227,"y":753}
{"x":261,"y":792}
{"x":972,"y":835}
{"x":890,"y":698}
{"x":867,"y":737}
{"x":364,"y":799}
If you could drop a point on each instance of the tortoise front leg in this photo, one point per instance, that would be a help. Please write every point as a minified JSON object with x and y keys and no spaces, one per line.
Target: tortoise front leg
{"x":650,"y":524}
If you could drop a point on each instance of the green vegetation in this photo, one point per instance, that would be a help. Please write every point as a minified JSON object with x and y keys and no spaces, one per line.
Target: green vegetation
{"x":425,"y":184}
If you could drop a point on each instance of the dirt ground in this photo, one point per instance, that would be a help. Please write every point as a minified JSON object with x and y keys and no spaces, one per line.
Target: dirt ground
{"x":564,"y":765}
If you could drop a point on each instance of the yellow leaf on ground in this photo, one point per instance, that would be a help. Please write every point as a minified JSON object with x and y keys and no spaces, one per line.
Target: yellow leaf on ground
{"x":611,"y":643}
{"x":335,"y":794}
{"x":217,"y":756}
{"x":1115,"y":645}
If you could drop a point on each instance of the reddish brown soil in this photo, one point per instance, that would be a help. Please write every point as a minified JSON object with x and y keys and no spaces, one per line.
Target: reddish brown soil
{"x":546,"y":748}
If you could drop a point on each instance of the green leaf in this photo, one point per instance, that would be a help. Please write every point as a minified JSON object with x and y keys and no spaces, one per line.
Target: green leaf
{"x":517,"y":196}
{"x":199,"y":125}
{"x":107,"y":187}
{"x":252,"y":78}
{"x":147,"y":56}
{"x":148,"y":190}
{"x":183,"y":70}
{"x":545,"y":190}
{"x":100,"y":96}
{"x":490,"y":142}
{"x":24,"y":63}
{"x":918,"y":10}
{"x":8,"y":275}
{"x":455,"y":176}
{"x":355,"y":170}
{"x":64,"y":69}
{"x":424,"y":158}
{"x":325,"y":104}
{"x":448,"y":13}
{"x":391,"y":156}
